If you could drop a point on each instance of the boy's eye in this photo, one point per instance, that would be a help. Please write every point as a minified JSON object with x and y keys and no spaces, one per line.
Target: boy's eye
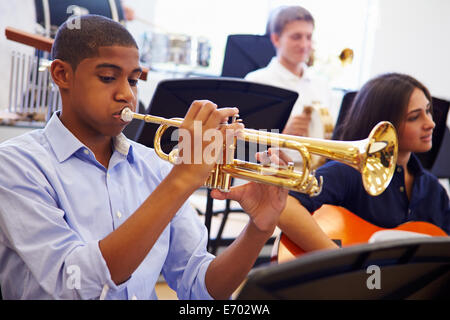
{"x":133,"y":82}
{"x":106,"y":79}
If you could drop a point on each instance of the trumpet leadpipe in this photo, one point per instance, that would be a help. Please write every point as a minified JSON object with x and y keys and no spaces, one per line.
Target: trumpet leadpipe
{"x":127,"y":115}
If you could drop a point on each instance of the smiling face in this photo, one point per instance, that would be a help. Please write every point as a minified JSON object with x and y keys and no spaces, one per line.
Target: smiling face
{"x":294,"y":43}
{"x":99,"y":89}
{"x":415,"y":132}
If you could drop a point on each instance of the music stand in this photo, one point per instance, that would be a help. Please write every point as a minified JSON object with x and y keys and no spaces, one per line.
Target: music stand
{"x":54,"y":13}
{"x":245,"y":53}
{"x":260,"y":107}
{"x":417,"y":268}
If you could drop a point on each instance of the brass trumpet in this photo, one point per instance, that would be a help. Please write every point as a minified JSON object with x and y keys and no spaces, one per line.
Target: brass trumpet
{"x":374,"y":157}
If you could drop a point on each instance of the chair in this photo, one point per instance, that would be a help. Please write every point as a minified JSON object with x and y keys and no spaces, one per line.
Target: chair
{"x":261,"y":107}
{"x":441,"y":168}
{"x":435,"y":160}
{"x":245,"y":53}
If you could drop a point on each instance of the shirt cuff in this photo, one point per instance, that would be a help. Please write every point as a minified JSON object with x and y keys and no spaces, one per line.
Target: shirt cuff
{"x":95,"y":277}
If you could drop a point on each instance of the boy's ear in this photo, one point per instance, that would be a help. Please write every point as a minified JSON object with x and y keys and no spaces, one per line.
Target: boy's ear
{"x":275,"y":38}
{"x":62,"y":73}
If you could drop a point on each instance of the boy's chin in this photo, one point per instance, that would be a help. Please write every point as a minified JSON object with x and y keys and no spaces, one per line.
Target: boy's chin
{"x":113,"y":133}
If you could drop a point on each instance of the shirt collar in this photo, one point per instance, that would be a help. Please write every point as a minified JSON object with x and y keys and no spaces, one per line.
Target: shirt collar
{"x":65,"y":144}
{"x":123,"y":146}
{"x":285,"y":73}
{"x":415,"y":166}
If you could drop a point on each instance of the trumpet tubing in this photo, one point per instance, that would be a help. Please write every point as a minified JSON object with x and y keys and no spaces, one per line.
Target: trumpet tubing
{"x":374,"y":157}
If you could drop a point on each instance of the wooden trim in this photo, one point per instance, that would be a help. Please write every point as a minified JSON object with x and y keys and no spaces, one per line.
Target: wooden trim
{"x":33,"y":40}
{"x":41,"y":42}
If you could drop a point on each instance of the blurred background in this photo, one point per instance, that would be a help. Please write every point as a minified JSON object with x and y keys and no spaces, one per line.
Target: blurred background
{"x":188,"y":38}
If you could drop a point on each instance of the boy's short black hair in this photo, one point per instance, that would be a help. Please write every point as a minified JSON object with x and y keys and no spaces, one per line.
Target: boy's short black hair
{"x":80,"y":39}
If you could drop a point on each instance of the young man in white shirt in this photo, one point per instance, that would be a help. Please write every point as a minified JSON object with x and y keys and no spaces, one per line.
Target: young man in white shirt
{"x":291,"y":29}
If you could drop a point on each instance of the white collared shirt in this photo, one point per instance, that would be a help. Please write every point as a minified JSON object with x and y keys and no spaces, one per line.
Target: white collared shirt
{"x":309,"y":87}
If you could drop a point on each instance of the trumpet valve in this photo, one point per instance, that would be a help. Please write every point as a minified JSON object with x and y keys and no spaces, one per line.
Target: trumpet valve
{"x":290,"y":166}
{"x":235,"y":118}
{"x":218,"y":180}
{"x":314,"y":187}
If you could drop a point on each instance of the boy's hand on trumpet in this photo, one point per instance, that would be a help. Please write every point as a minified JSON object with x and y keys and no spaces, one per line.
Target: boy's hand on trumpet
{"x":263,"y":203}
{"x":201,"y":137}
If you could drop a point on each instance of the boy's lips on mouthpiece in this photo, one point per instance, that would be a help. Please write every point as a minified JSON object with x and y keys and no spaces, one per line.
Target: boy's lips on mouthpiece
{"x":126,"y":114}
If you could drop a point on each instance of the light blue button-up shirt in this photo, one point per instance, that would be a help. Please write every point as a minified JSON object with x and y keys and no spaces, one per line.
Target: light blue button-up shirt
{"x":57,"y":201}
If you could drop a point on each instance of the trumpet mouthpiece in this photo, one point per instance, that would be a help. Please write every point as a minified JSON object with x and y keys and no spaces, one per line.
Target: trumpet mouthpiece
{"x":126,"y":115}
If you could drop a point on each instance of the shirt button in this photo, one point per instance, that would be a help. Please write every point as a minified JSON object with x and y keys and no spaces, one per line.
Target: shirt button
{"x":119,"y":214}
{"x":409,"y":211}
{"x":402,"y":189}
{"x":86,"y":151}
{"x":134,"y":297}
{"x":399,"y":169}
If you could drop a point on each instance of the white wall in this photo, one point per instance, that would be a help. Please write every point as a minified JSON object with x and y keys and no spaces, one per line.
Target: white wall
{"x":17,"y":14}
{"x":411,"y":36}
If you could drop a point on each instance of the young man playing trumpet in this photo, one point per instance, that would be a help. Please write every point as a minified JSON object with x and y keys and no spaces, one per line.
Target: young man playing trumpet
{"x":87,"y":214}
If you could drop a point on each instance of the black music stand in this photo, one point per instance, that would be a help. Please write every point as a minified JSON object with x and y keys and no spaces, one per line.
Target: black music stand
{"x":56,"y":12}
{"x":416,"y":268}
{"x":245,"y":53}
{"x":437,"y":159}
{"x":260,"y":107}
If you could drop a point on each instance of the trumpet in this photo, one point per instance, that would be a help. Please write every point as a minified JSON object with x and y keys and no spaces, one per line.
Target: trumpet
{"x":374,"y":157}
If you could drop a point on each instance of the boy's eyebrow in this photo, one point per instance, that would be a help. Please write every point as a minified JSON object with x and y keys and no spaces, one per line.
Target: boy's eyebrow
{"x":114,"y":66}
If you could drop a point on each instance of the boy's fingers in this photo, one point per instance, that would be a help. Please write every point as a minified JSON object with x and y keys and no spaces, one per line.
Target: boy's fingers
{"x":233,"y":194}
{"x":280,"y":155}
{"x":205,"y":111}
{"x":263,"y":158}
{"x":194,"y":109}
{"x":218,"y":116}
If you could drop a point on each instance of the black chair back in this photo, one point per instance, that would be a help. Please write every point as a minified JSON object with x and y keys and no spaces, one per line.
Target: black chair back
{"x":245,"y":53}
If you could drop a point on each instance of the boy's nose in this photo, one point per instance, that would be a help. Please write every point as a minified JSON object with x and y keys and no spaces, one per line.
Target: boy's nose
{"x":125,"y":92}
{"x":304,"y":42}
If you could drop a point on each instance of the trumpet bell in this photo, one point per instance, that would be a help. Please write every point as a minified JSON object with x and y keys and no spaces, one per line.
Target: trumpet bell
{"x":381,"y":158}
